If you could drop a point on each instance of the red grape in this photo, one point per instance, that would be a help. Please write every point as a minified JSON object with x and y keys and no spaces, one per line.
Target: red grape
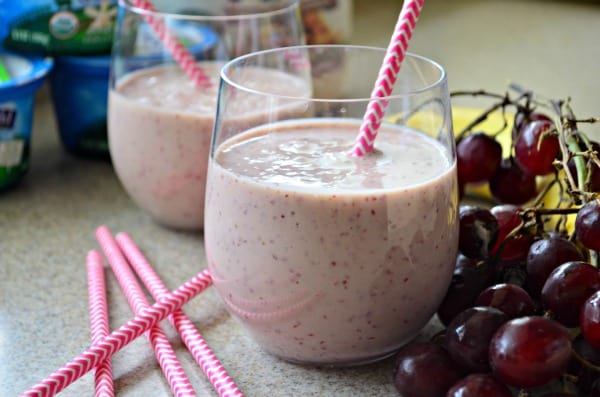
{"x":566,"y":290}
{"x":478,"y":231}
{"x":536,"y":147}
{"x":468,"y":336}
{"x":517,"y":247}
{"x":511,"y":184}
{"x":424,"y":369}
{"x":511,"y":299}
{"x":479,"y":385}
{"x":478,"y":156}
{"x":590,"y":320}
{"x":587,"y":225}
{"x":524,"y":117}
{"x":469,"y":279}
{"x":544,"y":256}
{"x":530,"y":351}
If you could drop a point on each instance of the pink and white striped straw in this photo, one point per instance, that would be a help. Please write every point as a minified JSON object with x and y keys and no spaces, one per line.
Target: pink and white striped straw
{"x":105,"y":347}
{"x":170,"y":365}
{"x":203,"y":354}
{"x":98,"y":308}
{"x":172,"y":43}
{"x":384,"y":85}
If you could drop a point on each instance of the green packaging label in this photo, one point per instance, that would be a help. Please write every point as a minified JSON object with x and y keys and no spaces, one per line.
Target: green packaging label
{"x":75,"y":27}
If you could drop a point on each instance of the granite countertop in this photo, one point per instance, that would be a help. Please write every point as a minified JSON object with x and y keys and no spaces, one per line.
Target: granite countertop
{"x":47,"y":222}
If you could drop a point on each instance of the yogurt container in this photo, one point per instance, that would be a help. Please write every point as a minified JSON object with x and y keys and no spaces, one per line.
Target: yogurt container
{"x":79,"y":87}
{"x":25,"y":75}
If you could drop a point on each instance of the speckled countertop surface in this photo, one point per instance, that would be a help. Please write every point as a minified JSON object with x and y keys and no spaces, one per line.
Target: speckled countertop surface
{"x":47,"y":223}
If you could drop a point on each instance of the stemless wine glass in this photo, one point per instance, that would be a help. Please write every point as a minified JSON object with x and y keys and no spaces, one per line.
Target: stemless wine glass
{"x":328,"y":258}
{"x":160,"y":118}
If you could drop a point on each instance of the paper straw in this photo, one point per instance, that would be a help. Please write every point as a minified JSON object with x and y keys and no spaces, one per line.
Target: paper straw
{"x":384,"y":85}
{"x":98,"y":308}
{"x":203,"y":354}
{"x":172,"y":43}
{"x":105,"y":347}
{"x":163,"y":351}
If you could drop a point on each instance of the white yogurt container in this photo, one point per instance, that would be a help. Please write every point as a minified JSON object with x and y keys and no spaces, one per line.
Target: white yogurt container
{"x":17,"y":97}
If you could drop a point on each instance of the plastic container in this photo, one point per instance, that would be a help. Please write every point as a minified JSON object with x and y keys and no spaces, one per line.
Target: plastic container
{"x":79,"y":90}
{"x":17,"y":98}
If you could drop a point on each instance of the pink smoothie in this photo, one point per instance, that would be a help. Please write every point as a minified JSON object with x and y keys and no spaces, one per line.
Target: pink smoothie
{"x":327,"y":258}
{"x":159,"y":130}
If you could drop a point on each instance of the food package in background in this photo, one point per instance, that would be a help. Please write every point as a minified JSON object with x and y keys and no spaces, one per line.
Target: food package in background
{"x":327,"y":21}
{"x":58,"y":27}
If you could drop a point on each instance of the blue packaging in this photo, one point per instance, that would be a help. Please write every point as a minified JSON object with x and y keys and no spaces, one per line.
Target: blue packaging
{"x":17,"y":98}
{"x":79,"y":87}
{"x":79,"y":90}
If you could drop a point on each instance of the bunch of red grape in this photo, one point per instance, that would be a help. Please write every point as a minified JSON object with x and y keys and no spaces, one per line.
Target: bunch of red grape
{"x":522,"y":313}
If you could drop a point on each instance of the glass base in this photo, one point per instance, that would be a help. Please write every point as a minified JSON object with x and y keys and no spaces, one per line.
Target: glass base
{"x":348,"y":363}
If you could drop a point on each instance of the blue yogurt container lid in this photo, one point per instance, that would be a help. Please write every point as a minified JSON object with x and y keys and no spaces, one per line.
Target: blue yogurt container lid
{"x":149,"y":51}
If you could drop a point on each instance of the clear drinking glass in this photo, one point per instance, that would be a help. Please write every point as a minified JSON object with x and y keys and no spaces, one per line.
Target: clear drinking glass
{"x":159,"y":121}
{"x":328,"y":258}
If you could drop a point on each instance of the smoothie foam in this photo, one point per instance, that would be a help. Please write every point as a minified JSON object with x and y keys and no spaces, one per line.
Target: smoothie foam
{"x":159,"y":129}
{"x":324,"y":257}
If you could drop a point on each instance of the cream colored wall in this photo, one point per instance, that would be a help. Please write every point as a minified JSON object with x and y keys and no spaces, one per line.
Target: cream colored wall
{"x":550,"y":46}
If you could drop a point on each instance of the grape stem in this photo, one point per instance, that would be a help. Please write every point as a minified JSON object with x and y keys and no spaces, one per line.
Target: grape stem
{"x":554,"y":211}
{"x":575,"y":187}
{"x":568,"y":126}
{"x":505,"y":100}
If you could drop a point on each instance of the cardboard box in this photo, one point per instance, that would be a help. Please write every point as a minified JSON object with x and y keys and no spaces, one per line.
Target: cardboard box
{"x":327,"y":21}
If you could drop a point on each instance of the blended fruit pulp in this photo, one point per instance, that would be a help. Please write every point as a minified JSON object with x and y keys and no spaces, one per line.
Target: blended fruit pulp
{"x":160,"y":126}
{"x":324,"y":257}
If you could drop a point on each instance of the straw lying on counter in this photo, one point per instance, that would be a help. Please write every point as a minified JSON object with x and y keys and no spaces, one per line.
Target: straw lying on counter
{"x":118,"y":252}
{"x":105,"y":347}
{"x":98,"y":308}
{"x":203,"y":354}
{"x":170,"y":365}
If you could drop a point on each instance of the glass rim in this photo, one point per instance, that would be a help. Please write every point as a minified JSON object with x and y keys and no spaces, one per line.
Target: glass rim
{"x":281,"y":10}
{"x":427,"y":87}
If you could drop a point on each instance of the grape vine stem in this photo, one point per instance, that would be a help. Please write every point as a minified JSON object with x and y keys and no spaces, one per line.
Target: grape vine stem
{"x":575,"y":184}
